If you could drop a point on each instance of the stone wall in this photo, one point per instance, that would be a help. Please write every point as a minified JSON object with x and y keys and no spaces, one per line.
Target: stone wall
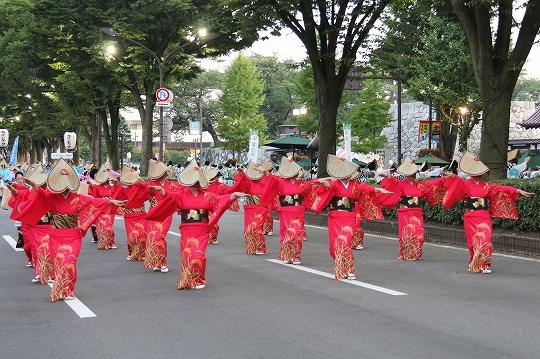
{"x":412,"y":113}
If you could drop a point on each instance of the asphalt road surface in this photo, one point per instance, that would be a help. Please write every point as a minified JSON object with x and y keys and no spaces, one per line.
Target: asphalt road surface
{"x":256,"y":307}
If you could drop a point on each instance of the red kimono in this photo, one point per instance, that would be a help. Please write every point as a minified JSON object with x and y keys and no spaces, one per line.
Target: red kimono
{"x":255,"y":211}
{"x":216,"y":188}
{"x":410,"y":214}
{"x":156,"y":243}
{"x":105,"y":221}
{"x":195,"y":211}
{"x":71,"y":216}
{"x":292,"y":197}
{"x":342,"y":220}
{"x":482,"y":201}
{"x":134,"y":219}
{"x":30,"y":249}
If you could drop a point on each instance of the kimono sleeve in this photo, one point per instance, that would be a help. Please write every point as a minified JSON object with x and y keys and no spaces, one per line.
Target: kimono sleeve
{"x":434,"y":190}
{"x":31,"y":207}
{"x":323,"y":196}
{"x":163,"y":209}
{"x":393,"y":185}
{"x":90,"y":209}
{"x":502,"y":202}
{"x":455,"y":190}
{"x":219,"y":206}
{"x":368,"y":202}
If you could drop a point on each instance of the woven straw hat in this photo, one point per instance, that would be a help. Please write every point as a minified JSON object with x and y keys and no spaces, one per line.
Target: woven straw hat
{"x":156,"y":169}
{"x":407,"y":167}
{"x":512,"y":155}
{"x":63,"y":177}
{"x":288,"y":168}
{"x":88,"y":166}
{"x":38,"y":176}
{"x":452,"y":164}
{"x":211,"y":173}
{"x":255,"y":171}
{"x":103,"y":174}
{"x":340,"y":168}
{"x":192,"y":174}
{"x":233,"y":173}
{"x":472,"y":165}
{"x":129,"y":176}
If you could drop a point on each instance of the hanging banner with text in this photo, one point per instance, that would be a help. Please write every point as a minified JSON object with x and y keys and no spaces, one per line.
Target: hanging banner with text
{"x":423,"y":131}
{"x":253,"y":145}
{"x":194,"y":128}
{"x":347,"y":141}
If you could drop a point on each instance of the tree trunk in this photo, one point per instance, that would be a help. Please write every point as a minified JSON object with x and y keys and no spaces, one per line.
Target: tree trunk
{"x":495,"y":132}
{"x":328,"y":98}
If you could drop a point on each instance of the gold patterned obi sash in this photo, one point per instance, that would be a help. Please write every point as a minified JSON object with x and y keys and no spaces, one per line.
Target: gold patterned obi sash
{"x":46,"y":219}
{"x":341,"y":204}
{"x":153,"y":201}
{"x":409,"y":202}
{"x":254,"y":200}
{"x":194,"y":216}
{"x":64,"y":220}
{"x":134,"y":210}
{"x":476,"y":203}
{"x":291,"y":200}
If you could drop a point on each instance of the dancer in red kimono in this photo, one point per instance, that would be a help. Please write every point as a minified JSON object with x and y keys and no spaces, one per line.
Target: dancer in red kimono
{"x":22,"y":227}
{"x":293,"y":195}
{"x":135,"y":193}
{"x":257,"y":185}
{"x":408,"y":193}
{"x":72,"y":215}
{"x":482,"y":200}
{"x":340,"y":193}
{"x":37,"y":235}
{"x":106,"y":186}
{"x":156,"y":243}
{"x":195,"y":205}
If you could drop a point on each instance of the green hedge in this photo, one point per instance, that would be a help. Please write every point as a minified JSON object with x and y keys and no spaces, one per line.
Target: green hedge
{"x":528,"y":209}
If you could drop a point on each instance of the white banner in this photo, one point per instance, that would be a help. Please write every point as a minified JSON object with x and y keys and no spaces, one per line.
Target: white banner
{"x":347,"y":141}
{"x":253,"y":146}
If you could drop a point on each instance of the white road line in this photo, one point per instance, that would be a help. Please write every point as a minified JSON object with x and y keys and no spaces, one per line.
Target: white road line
{"x":331,"y":276}
{"x":78,"y":307}
{"x":174,"y":233}
{"x":441,"y":246}
{"x":13,"y":243}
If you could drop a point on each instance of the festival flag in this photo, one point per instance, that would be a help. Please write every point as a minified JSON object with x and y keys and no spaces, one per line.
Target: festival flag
{"x":13,"y":157}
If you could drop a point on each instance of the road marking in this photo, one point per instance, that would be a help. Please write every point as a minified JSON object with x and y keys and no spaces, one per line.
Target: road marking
{"x":174,"y":233}
{"x":78,"y":307}
{"x":331,"y":276}
{"x":442,"y":246}
{"x":13,"y":243}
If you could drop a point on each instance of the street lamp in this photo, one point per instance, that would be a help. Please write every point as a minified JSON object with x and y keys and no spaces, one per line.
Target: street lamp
{"x":161,"y":64}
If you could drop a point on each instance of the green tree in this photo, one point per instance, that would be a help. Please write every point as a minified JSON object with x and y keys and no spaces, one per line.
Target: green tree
{"x":304,"y":91}
{"x":527,"y":90}
{"x":241,"y":101}
{"x":488,"y":27}
{"x":279,"y":78}
{"x":368,"y":117}
{"x":332,"y":33}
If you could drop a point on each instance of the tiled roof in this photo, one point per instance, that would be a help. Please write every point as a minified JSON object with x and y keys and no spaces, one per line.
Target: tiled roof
{"x":533,"y":121}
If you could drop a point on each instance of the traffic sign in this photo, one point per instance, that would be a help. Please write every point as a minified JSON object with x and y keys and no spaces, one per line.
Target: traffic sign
{"x":58,"y":155}
{"x":164,"y":95}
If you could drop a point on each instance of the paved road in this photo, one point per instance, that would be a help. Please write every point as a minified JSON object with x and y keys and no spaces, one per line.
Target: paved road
{"x":256,"y":308}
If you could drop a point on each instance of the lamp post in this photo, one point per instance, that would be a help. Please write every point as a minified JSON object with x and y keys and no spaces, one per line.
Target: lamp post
{"x":464,"y":110}
{"x":161,"y":64}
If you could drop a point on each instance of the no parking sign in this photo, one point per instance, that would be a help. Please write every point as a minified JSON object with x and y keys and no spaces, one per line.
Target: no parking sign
{"x":164,"y":97}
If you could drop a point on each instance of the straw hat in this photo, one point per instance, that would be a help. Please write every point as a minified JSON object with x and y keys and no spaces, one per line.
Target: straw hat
{"x":103,"y":174}
{"x":3,"y":164}
{"x":233,"y":173}
{"x":453,"y":164}
{"x":38,"y":176}
{"x":88,"y":166}
{"x":472,"y":165}
{"x":63,"y":177}
{"x":288,"y":168}
{"x":407,"y":167}
{"x":512,"y":155}
{"x":129,"y":176}
{"x":192,"y":174}
{"x":372,"y":165}
{"x":211,"y":173}
{"x":255,"y":171}
{"x":340,"y":168}
{"x":156,"y":169}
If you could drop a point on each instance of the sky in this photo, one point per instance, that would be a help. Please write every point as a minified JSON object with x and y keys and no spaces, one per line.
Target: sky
{"x":289,"y":47}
